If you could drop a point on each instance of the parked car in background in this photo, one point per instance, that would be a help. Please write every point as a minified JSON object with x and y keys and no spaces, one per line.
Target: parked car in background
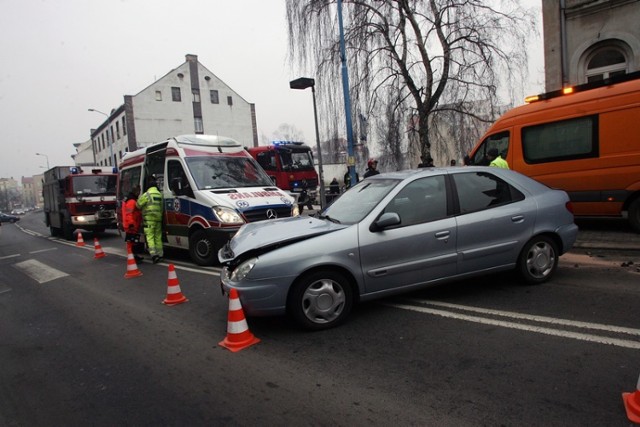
{"x":398,"y":232}
{"x":9,"y":218}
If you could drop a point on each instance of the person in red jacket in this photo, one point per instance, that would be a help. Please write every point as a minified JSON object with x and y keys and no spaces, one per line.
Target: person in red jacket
{"x":132,"y":223}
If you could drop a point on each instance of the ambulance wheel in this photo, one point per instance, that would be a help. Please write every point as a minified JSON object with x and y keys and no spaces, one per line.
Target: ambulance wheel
{"x":202,"y":249}
{"x":634,"y":215}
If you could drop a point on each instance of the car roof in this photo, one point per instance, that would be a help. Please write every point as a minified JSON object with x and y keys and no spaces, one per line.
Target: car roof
{"x":511,"y":175}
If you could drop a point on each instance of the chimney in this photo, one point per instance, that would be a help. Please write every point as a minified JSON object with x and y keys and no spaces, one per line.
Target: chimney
{"x":191,"y":58}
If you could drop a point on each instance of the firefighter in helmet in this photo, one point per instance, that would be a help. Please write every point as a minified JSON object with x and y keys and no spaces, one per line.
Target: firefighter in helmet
{"x":372,"y":168}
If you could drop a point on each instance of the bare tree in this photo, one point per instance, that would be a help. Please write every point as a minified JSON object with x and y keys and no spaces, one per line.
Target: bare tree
{"x":288,"y":132}
{"x":435,"y":56}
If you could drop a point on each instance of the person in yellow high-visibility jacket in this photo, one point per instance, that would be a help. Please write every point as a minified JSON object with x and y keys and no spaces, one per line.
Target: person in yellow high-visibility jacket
{"x":150,"y":203}
{"x":496,"y":160}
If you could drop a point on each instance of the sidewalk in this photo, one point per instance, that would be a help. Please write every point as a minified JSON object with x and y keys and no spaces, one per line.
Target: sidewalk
{"x":608,"y":239}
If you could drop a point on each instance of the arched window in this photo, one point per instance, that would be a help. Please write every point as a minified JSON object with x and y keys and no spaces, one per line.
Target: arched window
{"x":605,"y":62}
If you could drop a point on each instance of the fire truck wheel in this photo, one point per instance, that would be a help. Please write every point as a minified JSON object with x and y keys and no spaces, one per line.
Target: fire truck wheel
{"x":202,"y":249}
{"x":67,"y":231}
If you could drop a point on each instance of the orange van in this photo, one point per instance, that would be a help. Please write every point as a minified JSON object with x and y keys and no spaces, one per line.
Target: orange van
{"x":584,"y":140}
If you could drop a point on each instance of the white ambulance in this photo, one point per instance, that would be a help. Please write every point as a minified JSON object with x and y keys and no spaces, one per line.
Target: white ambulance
{"x":211,"y":187}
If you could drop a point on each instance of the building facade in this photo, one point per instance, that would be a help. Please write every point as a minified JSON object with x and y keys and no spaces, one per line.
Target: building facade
{"x":84,"y":154}
{"x":589,"y":40}
{"x":29,"y":199}
{"x":189,"y":99}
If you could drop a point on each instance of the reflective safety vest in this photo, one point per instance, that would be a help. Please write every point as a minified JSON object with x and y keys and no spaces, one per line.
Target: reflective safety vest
{"x":499,"y":162}
{"x":150,"y":203}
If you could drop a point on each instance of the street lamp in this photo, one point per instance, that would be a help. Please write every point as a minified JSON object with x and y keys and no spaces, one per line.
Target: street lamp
{"x":47,"y":157}
{"x":304,"y":83}
{"x":109,"y":140}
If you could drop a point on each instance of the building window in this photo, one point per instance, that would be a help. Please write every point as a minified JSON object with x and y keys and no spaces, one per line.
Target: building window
{"x":196,"y":95}
{"x":605,"y":62}
{"x":117,"y":130}
{"x":175,"y":94}
{"x":214,"y":96}
{"x":158,"y":95}
{"x":229,"y":100}
{"x":198,"y":124}
{"x":124,"y":127}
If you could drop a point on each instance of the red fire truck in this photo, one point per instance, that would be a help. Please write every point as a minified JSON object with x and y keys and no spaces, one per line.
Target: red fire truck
{"x":79,"y":198}
{"x":290,"y":166}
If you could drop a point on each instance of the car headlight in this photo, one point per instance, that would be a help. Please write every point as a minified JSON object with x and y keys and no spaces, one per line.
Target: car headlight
{"x":227,"y":215}
{"x":243,"y":269}
{"x":81,"y":219}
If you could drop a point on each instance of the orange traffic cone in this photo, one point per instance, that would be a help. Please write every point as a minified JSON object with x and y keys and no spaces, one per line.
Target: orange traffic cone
{"x":174,"y":294}
{"x":632,"y":404}
{"x":132,"y":267}
{"x":238,"y":334}
{"x":80,"y":241}
{"x":99,"y":252}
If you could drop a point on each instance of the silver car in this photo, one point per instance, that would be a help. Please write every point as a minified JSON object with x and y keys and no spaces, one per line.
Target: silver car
{"x":398,"y":232}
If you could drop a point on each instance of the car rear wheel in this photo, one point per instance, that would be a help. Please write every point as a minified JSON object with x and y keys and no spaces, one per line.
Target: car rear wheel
{"x":320,"y":300}
{"x":538,"y":260}
{"x":202,"y":249}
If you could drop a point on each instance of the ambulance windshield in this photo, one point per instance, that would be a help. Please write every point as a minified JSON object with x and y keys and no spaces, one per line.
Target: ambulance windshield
{"x":213,"y":172}
{"x":94,"y":185}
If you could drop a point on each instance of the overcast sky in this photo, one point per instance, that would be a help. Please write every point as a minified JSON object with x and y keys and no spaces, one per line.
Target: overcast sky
{"x":61,"y":57}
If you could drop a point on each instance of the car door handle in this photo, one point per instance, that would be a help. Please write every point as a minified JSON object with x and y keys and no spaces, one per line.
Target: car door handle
{"x":443,"y":235}
{"x":517,"y":218}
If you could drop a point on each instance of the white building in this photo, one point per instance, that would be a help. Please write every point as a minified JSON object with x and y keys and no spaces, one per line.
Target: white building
{"x":589,"y":40}
{"x":189,"y":99}
{"x":84,"y":153}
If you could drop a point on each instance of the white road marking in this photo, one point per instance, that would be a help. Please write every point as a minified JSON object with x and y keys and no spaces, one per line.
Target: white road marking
{"x":519,"y":326}
{"x":534,"y":318}
{"x":9,"y":256}
{"x":38,"y":271}
{"x":43,"y":250}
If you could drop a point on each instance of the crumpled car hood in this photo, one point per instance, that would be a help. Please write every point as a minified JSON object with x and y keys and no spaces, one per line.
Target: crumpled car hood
{"x":263,"y":235}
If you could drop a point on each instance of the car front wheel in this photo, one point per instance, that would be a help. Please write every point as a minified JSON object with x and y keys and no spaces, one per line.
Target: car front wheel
{"x":538,"y":260}
{"x":320,"y":300}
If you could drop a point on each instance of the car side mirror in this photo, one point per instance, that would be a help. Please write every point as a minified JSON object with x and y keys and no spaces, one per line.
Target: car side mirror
{"x":387,"y":219}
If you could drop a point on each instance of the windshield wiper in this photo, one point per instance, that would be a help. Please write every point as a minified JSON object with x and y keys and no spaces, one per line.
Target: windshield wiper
{"x":329,"y":218}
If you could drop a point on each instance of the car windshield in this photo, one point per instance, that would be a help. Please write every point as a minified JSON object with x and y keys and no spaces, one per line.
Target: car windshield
{"x":358,"y":201}
{"x":296,"y":160}
{"x":94,"y":185}
{"x":213,"y":172}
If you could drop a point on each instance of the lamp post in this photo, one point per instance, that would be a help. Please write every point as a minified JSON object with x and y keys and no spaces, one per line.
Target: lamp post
{"x":304,"y":83}
{"x":47,"y":157}
{"x":109,"y":140}
{"x":351,"y":161}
